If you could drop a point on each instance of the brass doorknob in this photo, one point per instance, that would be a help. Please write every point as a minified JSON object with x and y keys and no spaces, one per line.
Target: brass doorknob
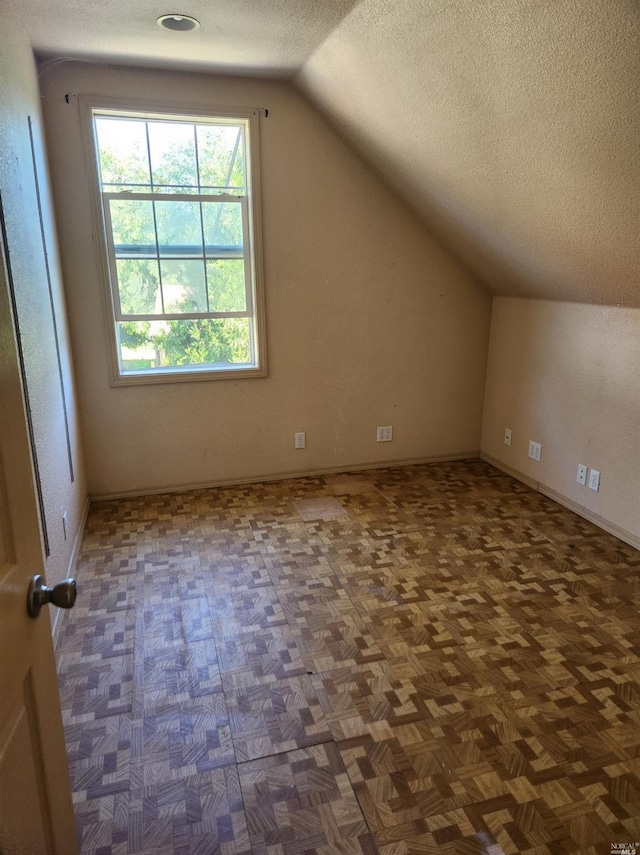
{"x":62,"y":595}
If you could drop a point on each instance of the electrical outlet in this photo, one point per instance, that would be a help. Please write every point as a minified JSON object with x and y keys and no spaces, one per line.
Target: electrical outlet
{"x":594,"y":480}
{"x":507,"y":436}
{"x":300,"y":439}
{"x":65,"y":524}
{"x":384,"y":434}
{"x":535,"y":450}
{"x":582,"y":474}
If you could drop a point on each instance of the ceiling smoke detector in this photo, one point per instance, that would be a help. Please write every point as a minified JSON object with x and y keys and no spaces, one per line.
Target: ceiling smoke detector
{"x":178,"y":23}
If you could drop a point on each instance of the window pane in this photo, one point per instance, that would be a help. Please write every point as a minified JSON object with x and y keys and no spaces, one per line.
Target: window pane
{"x":222,"y":228}
{"x":205,"y":342}
{"x":166,"y":344}
{"x":183,"y":286}
{"x":132,"y":227}
{"x":173,"y":154}
{"x":225,"y":279}
{"x":122,"y":144}
{"x":220,"y":155}
{"x":138,"y":285}
{"x":179,"y":228}
{"x":137,"y":351}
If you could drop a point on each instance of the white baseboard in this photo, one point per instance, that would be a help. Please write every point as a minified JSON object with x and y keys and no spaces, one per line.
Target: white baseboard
{"x":58,"y":617}
{"x":596,"y":519}
{"x":509,"y":470}
{"x":283,"y":476}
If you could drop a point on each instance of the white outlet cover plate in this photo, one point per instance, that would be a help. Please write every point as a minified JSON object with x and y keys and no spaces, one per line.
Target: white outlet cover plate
{"x":300,"y":439}
{"x":507,"y":436}
{"x":535,"y":450}
{"x":594,"y":480}
{"x":581,"y":477}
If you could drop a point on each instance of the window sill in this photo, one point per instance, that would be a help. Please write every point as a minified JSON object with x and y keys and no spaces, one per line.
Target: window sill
{"x":193,"y":375}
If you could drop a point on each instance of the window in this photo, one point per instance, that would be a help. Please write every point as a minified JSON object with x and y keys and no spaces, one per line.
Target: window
{"x":181,"y":232}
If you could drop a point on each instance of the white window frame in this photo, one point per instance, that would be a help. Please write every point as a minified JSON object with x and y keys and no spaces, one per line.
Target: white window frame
{"x":251,"y":217}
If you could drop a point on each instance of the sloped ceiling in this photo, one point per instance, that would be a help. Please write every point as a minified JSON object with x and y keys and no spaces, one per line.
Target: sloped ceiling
{"x":511,"y":126}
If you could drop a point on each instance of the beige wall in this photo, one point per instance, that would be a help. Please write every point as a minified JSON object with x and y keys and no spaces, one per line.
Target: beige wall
{"x":19,"y":100}
{"x":568,"y":376}
{"x":370,"y":322}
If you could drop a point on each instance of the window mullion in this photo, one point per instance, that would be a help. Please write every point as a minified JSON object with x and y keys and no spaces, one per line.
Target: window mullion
{"x":227,"y":198}
{"x":182,"y":316}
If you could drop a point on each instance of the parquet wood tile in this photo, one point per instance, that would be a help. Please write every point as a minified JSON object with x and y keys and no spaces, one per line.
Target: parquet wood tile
{"x":271,"y":717}
{"x":241,"y":610}
{"x":108,"y":635}
{"x":272,"y":654}
{"x":196,"y":815}
{"x":182,"y":621}
{"x":302,"y":801}
{"x":424,"y":659}
{"x":364,"y":699}
{"x":179,"y":672}
{"x":174,"y":740}
{"x":320,"y":509}
{"x":92,"y":686}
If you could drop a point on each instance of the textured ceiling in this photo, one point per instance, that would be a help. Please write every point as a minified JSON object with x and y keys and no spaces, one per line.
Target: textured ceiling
{"x":244,"y":36}
{"x":512,"y":127}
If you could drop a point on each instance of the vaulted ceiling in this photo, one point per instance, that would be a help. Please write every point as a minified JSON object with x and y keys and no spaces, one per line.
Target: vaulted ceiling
{"x":511,"y":127}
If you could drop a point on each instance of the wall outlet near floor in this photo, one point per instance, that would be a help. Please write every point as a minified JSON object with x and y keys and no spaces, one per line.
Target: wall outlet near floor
{"x":581,"y":477}
{"x":594,"y":480}
{"x":507,"y":436}
{"x":535,"y":450}
{"x":65,"y":524}
{"x":300,"y":439}
{"x":384,"y":434}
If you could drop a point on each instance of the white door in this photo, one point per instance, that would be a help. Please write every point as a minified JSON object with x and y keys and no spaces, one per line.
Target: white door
{"x":36,"y":814}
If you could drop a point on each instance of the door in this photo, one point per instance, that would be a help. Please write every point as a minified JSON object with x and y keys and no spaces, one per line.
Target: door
{"x":36,"y":814}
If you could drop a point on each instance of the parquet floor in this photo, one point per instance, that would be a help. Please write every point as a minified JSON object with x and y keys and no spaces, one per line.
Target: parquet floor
{"x":430,"y":659}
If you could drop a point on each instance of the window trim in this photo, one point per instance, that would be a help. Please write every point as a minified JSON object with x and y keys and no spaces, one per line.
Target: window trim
{"x":88,"y":106}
